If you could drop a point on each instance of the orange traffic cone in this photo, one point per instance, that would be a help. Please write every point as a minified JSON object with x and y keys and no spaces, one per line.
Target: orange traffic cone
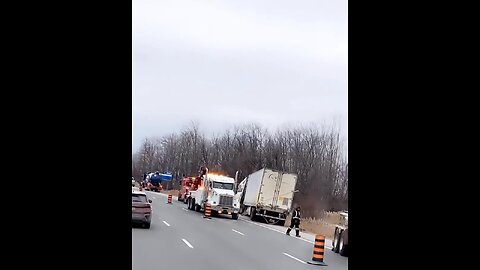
{"x":318,"y":251}
{"x":208,"y":211}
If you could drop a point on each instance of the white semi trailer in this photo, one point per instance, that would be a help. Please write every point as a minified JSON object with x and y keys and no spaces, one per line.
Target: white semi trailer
{"x":266,"y":194}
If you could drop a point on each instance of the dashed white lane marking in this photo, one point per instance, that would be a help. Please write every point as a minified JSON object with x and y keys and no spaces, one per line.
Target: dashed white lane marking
{"x":282,"y":232}
{"x":187,"y":243}
{"x":238,"y":232}
{"x":297,"y":259}
{"x":166,"y":223}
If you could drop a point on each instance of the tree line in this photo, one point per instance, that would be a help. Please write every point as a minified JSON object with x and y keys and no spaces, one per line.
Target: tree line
{"x":316,"y":154}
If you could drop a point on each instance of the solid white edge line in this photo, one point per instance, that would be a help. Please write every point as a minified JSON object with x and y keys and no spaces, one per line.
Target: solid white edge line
{"x":238,"y":232}
{"x":187,"y":243}
{"x":166,"y":223}
{"x":156,"y":193}
{"x":263,"y":226}
{"x":297,"y":259}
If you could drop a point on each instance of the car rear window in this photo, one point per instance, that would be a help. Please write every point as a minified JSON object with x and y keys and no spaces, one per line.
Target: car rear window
{"x":139,"y":198}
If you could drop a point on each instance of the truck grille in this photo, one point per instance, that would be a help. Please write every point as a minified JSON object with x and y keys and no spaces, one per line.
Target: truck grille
{"x":226,"y":200}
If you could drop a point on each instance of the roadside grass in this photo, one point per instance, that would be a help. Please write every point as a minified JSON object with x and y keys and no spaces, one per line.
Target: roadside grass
{"x":325,"y":225}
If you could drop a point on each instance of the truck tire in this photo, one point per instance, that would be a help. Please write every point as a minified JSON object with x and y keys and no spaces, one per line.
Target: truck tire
{"x":335,"y":241}
{"x":343,"y":249}
{"x":234,"y":216}
{"x":253,"y":214}
{"x":192,"y":204}
{"x":189,"y":207}
{"x":147,"y":225}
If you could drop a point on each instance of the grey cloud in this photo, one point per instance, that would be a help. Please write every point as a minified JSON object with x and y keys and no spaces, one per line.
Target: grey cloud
{"x":179,"y":76}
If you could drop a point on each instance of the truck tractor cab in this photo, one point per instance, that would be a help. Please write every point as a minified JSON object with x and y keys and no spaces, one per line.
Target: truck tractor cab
{"x":154,"y":181}
{"x":216,"y":190}
{"x":220,"y":195}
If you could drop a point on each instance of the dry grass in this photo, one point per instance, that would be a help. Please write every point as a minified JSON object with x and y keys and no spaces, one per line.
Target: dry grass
{"x":324,"y":225}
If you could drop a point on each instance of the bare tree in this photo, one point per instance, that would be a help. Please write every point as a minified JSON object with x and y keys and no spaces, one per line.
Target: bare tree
{"x":314,"y":153}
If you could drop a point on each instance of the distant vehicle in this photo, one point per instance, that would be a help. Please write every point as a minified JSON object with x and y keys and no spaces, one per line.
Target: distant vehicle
{"x":267,"y":194}
{"x":340,"y":238}
{"x":141,"y":208}
{"x":154,"y":180}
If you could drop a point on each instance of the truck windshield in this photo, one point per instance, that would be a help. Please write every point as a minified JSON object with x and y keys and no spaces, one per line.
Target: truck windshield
{"x":221,"y":185}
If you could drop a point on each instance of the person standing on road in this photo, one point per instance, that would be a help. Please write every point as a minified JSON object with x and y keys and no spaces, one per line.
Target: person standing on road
{"x":295,"y":222}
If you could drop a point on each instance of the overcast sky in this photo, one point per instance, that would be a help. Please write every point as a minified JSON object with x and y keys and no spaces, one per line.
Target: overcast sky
{"x":230,"y":62}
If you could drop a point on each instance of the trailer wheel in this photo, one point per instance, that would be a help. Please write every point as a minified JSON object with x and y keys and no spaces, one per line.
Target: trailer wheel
{"x":189,"y":204}
{"x":335,"y":240}
{"x":192,"y":204}
{"x":252,"y":214}
{"x":343,"y":249}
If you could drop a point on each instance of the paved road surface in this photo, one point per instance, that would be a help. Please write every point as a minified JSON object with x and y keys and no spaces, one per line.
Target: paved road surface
{"x":182,"y":239}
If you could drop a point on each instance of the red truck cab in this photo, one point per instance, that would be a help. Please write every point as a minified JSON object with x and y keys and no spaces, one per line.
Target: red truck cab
{"x":185,"y":186}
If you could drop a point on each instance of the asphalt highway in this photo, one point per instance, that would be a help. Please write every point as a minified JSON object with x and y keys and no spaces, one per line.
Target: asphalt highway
{"x":182,"y":239}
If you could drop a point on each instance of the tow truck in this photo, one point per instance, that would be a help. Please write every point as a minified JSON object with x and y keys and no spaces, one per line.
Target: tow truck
{"x":214,"y":189}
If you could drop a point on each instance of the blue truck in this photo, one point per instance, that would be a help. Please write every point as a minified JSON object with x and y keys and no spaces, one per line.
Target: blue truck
{"x":154,"y":180}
